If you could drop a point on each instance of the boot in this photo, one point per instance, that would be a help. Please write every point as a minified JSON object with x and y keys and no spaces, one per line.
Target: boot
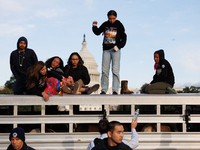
{"x":66,"y":89}
{"x":77,"y":85}
{"x":124,"y":87}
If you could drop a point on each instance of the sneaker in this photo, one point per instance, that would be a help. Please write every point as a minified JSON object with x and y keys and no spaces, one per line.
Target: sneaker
{"x":115,"y":93}
{"x":170,"y":91}
{"x":93,"y":89}
{"x":76,"y":87}
{"x":103,"y":93}
{"x":66,"y":89}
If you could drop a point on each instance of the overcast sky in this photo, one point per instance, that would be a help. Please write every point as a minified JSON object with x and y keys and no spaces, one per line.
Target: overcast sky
{"x":56,"y":27}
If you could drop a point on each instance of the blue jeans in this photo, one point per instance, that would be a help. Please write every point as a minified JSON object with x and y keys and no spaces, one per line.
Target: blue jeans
{"x":20,"y":86}
{"x":108,"y":57}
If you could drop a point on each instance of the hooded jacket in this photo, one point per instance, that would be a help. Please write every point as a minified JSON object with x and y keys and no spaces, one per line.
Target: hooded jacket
{"x":164,"y":72}
{"x":114,"y":34}
{"x":29,"y":59}
{"x":103,"y":145}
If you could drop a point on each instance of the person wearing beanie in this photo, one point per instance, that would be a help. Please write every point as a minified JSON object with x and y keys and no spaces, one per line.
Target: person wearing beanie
{"x":20,"y":60}
{"x":17,"y":139}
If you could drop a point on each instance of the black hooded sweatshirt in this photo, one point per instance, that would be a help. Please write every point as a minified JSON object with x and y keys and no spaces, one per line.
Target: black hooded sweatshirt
{"x":103,"y":145}
{"x":164,"y":72}
{"x":29,"y":58}
{"x":114,"y":34}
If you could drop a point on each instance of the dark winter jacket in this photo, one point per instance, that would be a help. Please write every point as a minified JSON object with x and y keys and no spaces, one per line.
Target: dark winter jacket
{"x":103,"y":145}
{"x":16,"y":57}
{"x":25,"y":147}
{"x":164,"y":72}
{"x":80,"y":72}
{"x":57,"y":73}
{"x":114,"y":34}
{"x":38,"y":89}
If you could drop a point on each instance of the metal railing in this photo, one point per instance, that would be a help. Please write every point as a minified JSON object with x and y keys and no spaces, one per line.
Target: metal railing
{"x":152,"y":140}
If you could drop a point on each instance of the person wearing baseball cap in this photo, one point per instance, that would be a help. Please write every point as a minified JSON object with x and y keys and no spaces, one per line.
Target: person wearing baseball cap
{"x":17,"y":139}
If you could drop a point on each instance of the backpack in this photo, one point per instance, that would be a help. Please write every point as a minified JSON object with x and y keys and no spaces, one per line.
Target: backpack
{"x":97,"y":141}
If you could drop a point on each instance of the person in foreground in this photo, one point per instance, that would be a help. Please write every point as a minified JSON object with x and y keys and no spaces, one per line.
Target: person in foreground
{"x":102,"y":126}
{"x":163,"y":80}
{"x":78,"y":72}
{"x":115,"y":132}
{"x":17,"y":139}
{"x":114,"y":39}
{"x":20,"y":60}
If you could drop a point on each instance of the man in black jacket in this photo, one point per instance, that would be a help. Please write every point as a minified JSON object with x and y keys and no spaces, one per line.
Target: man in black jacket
{"x":115,"y":136}
{"x":20,"y":60}
{"x":17,"y":139}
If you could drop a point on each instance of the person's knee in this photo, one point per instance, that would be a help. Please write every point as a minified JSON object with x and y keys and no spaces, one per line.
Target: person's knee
{"x":147,"y":90}
{"x":115,"y":71}
{"x":105,"y":70}
{"x":143,"y":88}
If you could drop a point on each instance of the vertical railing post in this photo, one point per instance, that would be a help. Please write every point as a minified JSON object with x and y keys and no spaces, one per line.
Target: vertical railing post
{"x":157,"y":114}
{"x":15,"y":114}
{"x":183,"y":114}
{"x":43,"y":114}
{"x":42,"y":127}
{"x":71,"y":114}
{"x":106,"y":107}
{"x":132,"y":109}
{"x":71,"y":110}
{"x":43,"y":110}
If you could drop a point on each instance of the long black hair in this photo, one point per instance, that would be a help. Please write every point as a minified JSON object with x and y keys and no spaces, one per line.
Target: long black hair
{"x":69,"y":62}
{"x":49,"y":61}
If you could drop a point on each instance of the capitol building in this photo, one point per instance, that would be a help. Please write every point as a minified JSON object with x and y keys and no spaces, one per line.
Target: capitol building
{"x":91,"y":65}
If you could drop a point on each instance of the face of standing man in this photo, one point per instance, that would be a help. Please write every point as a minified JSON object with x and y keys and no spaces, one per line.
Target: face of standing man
{"x":22,"y":45}
{"x":116,"y":136}
{"x":17,"y":143}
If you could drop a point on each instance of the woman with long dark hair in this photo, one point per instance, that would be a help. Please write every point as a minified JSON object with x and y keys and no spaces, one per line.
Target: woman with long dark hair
{"x":79,"y":72}
{"x":39,"y":84}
